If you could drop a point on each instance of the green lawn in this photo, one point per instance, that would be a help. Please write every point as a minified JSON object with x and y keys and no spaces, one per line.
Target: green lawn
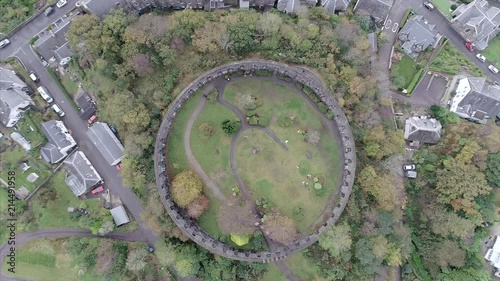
{"x":69,"y":84}
{"x":29,"y":128}
{"x":54,"y":213}
{"x":443,"y":6}
{"x":273,"y":172}
{"x":303,"y":268}
{"x":45,"y":260}
{"x":12,"y":157}
{"x":405,"y":68}
{"x":492,"y":53}
{"x":450,"y":60}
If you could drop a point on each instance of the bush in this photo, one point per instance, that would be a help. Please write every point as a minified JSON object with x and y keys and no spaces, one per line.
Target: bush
{"x":186,"y":187}
{"x":453,"y":7}
{"x":399,"y":82}
{"x":231,"y":127}
{"x":405,"y":17}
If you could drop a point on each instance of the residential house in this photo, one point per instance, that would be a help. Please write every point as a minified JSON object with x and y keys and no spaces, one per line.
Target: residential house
{"x":477,"y":22}
{"x":106,"y":142}
{"x":288,"y":6}
{"x":377,"y":9}
{"x":13,"y":98}
{"x":331,"y":6}
{"x":335,"y":6}
{"x":81,"y":176}
{"x":476,"y":100}
{"x":119,"y":215}
{"x":60,"y":142}
{"x":85,"y":104}
{"x":493,"y":256}
{"x":422,"y":130}
{"x":417,"y":35}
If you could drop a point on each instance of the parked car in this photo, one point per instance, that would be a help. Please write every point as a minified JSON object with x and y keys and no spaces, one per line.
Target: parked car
{"x":428,"y":5}
{"x":92,"y":119}
{"x":119,"y":166}
{"x":58,"y":110}
{"x":34,"y":77}
{"x":45,"y":94}
{"x":493,"y":68}
{"x":409,"y":167}
{"x":4,"y":43}
{"x":97,"y":190}
{"x":61,"y":3}
{"x":64,"y":61}
{"x":49,"y":11}
{"x":469,"y":46}
{"x":44,"y":62}
{"x":481,"y":57}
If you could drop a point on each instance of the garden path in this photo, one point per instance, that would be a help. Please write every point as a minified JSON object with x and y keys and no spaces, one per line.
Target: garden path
{"x":191,"y":159}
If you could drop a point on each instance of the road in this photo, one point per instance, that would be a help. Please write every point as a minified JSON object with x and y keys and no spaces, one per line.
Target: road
{"x":26,"y":237}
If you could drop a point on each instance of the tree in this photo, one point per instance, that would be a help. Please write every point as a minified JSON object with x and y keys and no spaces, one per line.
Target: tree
{"x":279,"y":228}
{"x":186,"y":187}
{"x":445,"y":223}
{"x":231,"y":127}
{"x":379,"y":186}
{"x":199,"y":205}
{"x":450,"y":254}
{"x":380,"y":246}
{"x":142,"y":65}
{"x":459,"y":184}
{"x":336,"y":240}
{"x":84,"y":35}
{"x":136,"y":259}
{"x":493,"y":169}
{"x":312,"y":137}
{"x":246,"y":102}
{"x":367,"y":259}
{"x":187,"y":267}
{"x":206,"y":39}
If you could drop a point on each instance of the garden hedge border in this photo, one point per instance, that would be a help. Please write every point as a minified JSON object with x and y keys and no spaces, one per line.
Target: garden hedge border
{"x":347,"y":157}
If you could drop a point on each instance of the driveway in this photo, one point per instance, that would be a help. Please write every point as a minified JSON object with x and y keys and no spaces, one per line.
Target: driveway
{"x":428,"y":92}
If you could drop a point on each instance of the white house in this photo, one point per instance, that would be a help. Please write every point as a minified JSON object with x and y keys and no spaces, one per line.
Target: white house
{"x":13,"y":99}
{"x":476,"y":100}
{"x":493,"y":256}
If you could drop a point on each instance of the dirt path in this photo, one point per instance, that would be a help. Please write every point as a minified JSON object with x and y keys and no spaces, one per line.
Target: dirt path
{"x":192,"y":160}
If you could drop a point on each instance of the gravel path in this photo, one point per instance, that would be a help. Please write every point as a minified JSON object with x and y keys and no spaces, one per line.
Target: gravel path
{"x":187,"y":147}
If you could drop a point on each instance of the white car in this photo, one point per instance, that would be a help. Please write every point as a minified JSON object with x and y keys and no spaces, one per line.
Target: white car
{"x":58,"y":110}
{"x":61,"y":3}
{"x":493,"y":69}
{"x":409,"y":167}
{"x":4,"y":43}
{"x":481,"y":57}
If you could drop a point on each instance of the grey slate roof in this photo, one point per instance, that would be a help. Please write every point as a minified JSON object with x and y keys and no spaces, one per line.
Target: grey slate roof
{"x":58,"y":139}
{"x":480,"y":104}
{"x":82,"y":175}
{"x":85,"y":107}
{"x":422,"y":130}
{"x":417,"y":35}
{"x":288,"y":6}
{"x":119,"y":215}
{"x":333,"y":6}
{"x":477,"y":22}
{"x":13,"y":100}
{"x":378,"y":9}
{"x":106,"y":142}
{"x":50,"y":153}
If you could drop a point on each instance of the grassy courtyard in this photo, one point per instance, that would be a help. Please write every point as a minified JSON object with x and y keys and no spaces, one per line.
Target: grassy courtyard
{"x":405,"y":68}
{"x":492,"y":53}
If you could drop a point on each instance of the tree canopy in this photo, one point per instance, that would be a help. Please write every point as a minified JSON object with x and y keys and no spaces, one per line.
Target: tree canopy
{"x":186,"y":187}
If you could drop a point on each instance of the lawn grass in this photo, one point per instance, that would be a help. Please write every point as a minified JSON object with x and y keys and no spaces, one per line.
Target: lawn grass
{"x":54,"y":213}
{"x":450,"y":60}
{"x":29,"y":129}
{"x":443,"y":6}
{"x":273,"y":172}
{"x":69,"y":84}
{"x":45,"y":260}
{"x":405,"y":68}
{"x":273,"y":274}
{"x":12,"y":157}
{"x":302,"y":267}
{"x":492,"y":53}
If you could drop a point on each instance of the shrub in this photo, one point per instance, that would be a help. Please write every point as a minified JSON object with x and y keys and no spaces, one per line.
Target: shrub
{"x":453,"y":7}
{"x":414,"y":81}
{"x":399,"y":82}
{"x":231,"y":127}
{"x":186,"y":187}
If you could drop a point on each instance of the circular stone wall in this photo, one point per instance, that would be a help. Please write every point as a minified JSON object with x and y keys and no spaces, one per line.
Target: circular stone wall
{"x":347,"y":156}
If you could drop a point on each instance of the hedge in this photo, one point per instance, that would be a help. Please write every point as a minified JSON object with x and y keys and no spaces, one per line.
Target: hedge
{"x":405,"y":18}
{"x":414,"y":81}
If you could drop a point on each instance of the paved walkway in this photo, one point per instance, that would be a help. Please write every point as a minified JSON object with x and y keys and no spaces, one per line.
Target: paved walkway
{"x":187,"y":147}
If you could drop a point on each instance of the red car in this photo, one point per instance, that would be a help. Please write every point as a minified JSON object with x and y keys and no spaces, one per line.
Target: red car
{"x":119,"y":166}
{"x":98,"y":190}
{"x":92,"y":119}
{"x":469,"y":46}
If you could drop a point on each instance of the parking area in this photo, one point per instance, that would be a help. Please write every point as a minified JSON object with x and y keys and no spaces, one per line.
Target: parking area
{"x":429,"y":91}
